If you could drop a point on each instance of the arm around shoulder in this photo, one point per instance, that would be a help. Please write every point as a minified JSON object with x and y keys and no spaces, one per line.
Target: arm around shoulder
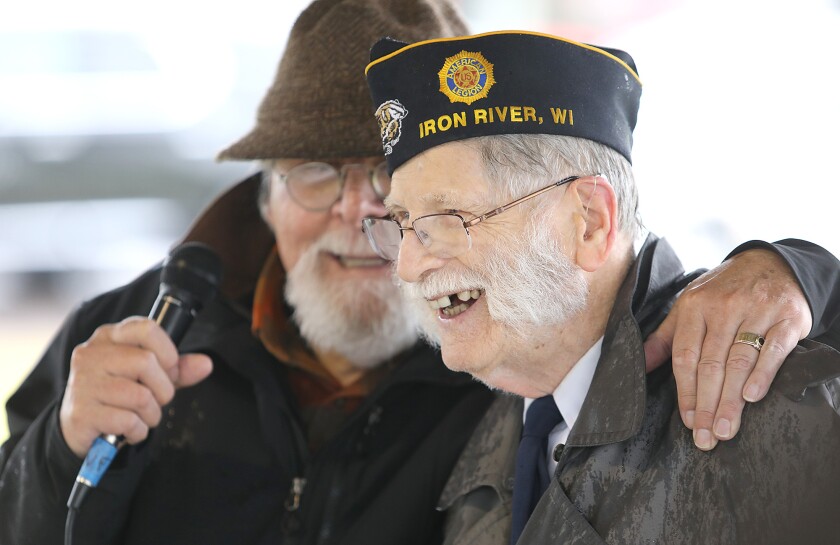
{"x":818,"y":273}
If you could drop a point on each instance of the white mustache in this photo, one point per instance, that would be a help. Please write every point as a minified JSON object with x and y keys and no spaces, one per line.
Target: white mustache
{"x":343,"y":243}
{"x":442,"y":283}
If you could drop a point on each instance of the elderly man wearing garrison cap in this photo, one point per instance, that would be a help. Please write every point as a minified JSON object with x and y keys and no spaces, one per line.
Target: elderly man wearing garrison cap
{"x":324,"y":420}
{"x":513,"y":215}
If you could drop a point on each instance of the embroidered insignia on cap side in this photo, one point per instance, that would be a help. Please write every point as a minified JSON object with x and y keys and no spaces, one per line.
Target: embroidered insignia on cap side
{"x":390,"y":115}
{"x":466,"y":77}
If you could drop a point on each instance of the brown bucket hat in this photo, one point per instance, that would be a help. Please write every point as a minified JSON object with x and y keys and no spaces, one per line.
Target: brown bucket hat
{"x":319,"y":106}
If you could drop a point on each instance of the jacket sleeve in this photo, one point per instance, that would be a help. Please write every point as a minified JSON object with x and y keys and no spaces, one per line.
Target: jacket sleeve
{"x":818,"y":274}
{"x":37,"y":468}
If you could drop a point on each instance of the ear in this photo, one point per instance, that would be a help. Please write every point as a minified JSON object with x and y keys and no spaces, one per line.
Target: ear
{"x":595,"y":221}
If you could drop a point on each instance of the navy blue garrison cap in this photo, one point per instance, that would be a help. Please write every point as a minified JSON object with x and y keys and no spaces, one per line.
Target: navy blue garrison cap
{"x":510,"y":82}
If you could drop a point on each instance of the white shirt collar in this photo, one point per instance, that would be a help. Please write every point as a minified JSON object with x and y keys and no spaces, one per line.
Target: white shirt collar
{"x":571,"y":392}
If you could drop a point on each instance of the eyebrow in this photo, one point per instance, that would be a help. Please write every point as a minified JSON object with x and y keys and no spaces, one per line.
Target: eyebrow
{"x":449,"y":200}
{"x":390,"y":204}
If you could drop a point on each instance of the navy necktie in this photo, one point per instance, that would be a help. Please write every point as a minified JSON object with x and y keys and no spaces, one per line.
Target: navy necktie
{"x":531,"y":476}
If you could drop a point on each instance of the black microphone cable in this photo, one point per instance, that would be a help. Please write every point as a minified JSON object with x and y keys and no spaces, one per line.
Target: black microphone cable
{"x":190,"y":278}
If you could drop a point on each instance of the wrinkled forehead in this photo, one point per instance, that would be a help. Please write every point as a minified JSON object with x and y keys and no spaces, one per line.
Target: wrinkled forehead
{"x":446,"y":177}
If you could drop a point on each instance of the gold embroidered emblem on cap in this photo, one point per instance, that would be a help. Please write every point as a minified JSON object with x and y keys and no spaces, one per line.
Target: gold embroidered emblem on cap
{"x":466,"y":77}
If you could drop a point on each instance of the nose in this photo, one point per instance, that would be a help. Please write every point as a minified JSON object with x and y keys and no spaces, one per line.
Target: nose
{"x":415,"y":260}
{"x":358,"y":200}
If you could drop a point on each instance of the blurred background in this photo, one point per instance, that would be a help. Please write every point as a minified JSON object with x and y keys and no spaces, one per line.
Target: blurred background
{"x":111,"y":115}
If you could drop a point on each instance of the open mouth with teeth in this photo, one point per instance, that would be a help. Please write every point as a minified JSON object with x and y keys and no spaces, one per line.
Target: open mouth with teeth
{"x":455,"y":303}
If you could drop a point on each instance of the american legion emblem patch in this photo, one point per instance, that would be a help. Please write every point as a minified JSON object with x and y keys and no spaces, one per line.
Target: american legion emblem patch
{"x":466,"y":77}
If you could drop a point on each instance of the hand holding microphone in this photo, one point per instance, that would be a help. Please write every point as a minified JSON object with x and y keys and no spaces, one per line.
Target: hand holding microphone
{"x":122,"y":376}
{"x":119,"y":380}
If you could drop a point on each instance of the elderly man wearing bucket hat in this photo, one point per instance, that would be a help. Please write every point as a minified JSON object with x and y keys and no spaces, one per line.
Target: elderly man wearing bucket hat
{"x":323,"y":421}
{"x":512,"y":224}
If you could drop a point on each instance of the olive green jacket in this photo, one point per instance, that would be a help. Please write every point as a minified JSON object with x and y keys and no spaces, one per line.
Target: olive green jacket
{"x":629,"y":472}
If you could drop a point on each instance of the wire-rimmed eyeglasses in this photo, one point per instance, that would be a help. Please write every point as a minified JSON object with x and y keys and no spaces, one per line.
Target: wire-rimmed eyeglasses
{"x":443,"y":235}
{"x":317,"y":186}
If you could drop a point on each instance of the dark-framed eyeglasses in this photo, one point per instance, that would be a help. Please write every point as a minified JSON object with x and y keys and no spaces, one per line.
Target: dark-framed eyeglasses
{"x":317,"y":186}
{"x":443,"y":235}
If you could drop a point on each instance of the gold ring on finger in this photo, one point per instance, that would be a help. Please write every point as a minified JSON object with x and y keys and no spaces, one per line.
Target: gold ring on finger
{"x":753,"y":339}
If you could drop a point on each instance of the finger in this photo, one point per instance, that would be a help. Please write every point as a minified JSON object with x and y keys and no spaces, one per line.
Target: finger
{"x":658,"y":344}
{"x":127,"y":395}
{"x":82,"y":422}
{"x":739,"y":364}
{"x":689,"y":332}
{"x":137,"y":383}
{"x":146,"y":334}
{"x":711,"y":371}
{"x":92,"y":361}
{"x":122,"y":422}
{"x":149,"y":336}
{"x":779,"y":341}
{"x":193,"y":368}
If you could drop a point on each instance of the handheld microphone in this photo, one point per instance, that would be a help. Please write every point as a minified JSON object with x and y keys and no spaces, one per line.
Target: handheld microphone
{"x":190,"y":278}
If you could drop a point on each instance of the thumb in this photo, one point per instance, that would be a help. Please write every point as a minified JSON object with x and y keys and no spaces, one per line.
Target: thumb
{"x":658,"y":345}
{"x":192,"y":369}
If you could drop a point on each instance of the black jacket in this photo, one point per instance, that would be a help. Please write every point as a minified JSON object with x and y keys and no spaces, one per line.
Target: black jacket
{"x":219,"y":467}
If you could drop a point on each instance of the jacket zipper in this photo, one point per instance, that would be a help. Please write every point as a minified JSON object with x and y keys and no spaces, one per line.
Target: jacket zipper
{"x":370,"y":409}
{"x":292,"y":514}
{"x":292,"y":502}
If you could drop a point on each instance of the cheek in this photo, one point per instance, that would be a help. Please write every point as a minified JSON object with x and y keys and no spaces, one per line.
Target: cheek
{"x":295,"y":229}
{"x":290,"y":252}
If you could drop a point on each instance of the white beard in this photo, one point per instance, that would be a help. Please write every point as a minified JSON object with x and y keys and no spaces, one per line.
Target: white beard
{"x":364,"y":321}
{"x":528,"y":284}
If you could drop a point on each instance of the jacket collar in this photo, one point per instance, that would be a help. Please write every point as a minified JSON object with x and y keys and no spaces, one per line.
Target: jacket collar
{"x":232,"y":225}
{"x":615,"y":405}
